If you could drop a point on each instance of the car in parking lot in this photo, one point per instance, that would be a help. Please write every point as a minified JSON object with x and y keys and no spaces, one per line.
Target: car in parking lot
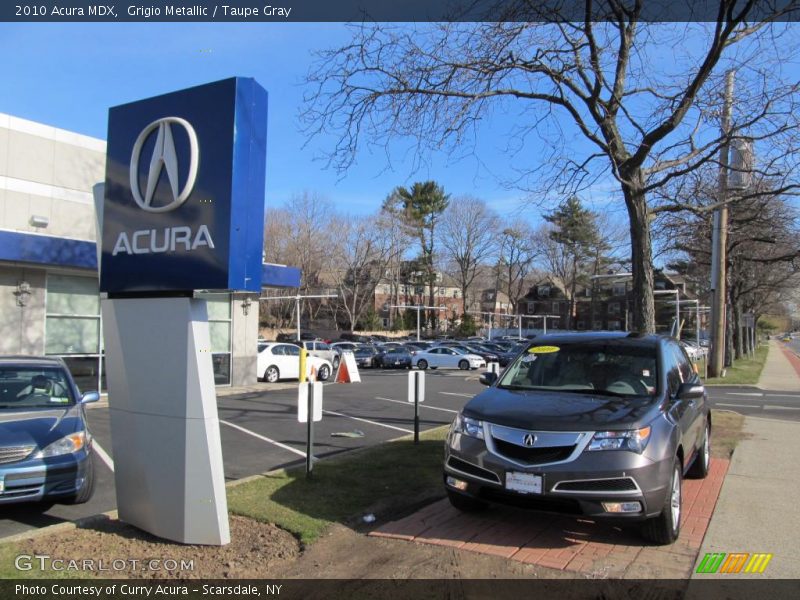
{"x":322,"y":350}
{"x":282,"y":361}
{"x":365,"y":356}
{"x":397,"y":357}
{"x":599,"y":425}
{"x":448,"y":358}
{"x":46,"y":448}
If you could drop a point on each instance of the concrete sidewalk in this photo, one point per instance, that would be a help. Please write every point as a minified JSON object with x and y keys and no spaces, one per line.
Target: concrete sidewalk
{"x":781,"y":371}
{"x":757,"y":508}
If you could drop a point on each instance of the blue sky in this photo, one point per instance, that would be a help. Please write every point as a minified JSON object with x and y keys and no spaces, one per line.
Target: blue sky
{"x":67,"y":75}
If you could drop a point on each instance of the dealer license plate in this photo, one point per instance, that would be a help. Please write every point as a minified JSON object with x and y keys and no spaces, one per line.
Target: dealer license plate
{"x":524,"y":483}
{"x":2,"y":484}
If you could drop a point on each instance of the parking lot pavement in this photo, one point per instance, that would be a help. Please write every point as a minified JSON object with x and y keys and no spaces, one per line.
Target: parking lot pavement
{"x":581,"y":546}
{"x":260,"y":432}
{"x":756,"y":402}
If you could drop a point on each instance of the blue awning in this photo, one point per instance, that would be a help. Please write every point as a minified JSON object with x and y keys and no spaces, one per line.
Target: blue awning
{"x":45,"y":250}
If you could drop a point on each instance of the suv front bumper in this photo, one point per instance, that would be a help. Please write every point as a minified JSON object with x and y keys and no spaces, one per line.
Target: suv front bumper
{"x":580,"y":485}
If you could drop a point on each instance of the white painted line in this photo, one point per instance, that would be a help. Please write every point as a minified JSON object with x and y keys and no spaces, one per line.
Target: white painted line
{"x":773,"y":407}
{"x":737,"y":405}
{"x":261,"y":437}
{"x":744,"y":394}
{"x":422,"y":405}
{"x":330,"y":412}
{"x":457,"y":394}
{"x":793,"y":396}
{"x":103,"y":455}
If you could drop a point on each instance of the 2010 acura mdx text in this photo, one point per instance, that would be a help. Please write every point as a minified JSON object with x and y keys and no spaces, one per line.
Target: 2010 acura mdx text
{"x":603,"y":425}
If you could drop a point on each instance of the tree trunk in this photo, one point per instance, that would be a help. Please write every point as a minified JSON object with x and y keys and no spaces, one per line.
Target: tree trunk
{"x":644,"y":319}
{"x":738,"y":348}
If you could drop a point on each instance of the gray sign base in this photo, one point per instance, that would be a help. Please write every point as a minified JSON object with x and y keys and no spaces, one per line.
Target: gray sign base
{"x":164,"y":424}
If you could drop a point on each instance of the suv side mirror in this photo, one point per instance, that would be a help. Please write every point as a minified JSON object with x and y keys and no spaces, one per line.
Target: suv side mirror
{"x":690,"y":391}
{"x":90,"y":397}
{"x":488,"y":378}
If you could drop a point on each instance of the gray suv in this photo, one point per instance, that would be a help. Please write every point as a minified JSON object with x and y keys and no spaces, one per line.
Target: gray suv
{"x":601,"y":425}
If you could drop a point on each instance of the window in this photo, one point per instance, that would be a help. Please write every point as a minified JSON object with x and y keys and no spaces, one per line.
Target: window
{"x":597,"y":325}
{"x":531,"y":308}
{"x":72,"y":327}
{"x":556,"y":307}
{"x":614,"y":326}
{"x":619,"y":289}
{"x":613,"y":308}
{"x":455,"y":293}
{"x":543,"y":291}
{"x":219,"y":327}
{"x":581,"y":325}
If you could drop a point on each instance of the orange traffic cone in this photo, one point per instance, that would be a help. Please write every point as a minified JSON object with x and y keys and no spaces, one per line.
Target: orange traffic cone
{"x":342,"y":375}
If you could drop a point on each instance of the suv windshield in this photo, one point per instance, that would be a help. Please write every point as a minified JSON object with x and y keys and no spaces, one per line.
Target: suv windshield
{"x":589,"y":367}
{"x":29,"y":387}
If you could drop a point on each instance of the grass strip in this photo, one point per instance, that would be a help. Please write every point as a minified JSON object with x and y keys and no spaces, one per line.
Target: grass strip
{"x":386,"y":479}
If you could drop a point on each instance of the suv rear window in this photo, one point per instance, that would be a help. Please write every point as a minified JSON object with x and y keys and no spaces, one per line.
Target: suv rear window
{"x":587,"y":367}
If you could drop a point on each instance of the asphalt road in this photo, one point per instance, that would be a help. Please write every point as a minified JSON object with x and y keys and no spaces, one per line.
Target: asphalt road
{"x":755,"y":402}
{"x":260,"y":432}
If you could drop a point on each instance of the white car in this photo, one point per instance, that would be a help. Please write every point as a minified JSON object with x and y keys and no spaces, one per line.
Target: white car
{"x":448,"y":358}
{"x":694,"y":351}
{"x":278,"y":361}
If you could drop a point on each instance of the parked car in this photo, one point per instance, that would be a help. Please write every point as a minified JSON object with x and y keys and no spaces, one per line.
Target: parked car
{"x":415,"y":347}
{"x":322,"y":350}
{"x":282,"y":361}
{"x":447,"y":358}
{"x":365,"y":356}
{"x":603,"y":425}
{"x":354,"y":337}
{"x":46,"y":448}
{"x":484,"y":353}
{"x":292,"y":337}
{"x":397,"y":357}
{"x":340,"y":347}
{"x":694,"y":351}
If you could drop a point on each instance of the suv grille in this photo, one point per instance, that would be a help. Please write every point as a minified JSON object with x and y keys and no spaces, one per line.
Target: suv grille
{"x":533,"y":456}
{"x":624,"y":484}
{"x":11,"y":454}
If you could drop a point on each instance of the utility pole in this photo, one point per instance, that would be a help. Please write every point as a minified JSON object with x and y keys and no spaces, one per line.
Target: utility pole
{"x":720,"y":244}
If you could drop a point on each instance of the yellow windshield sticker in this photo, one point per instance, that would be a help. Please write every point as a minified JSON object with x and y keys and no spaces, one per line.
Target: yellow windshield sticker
{"x":543,"y":349}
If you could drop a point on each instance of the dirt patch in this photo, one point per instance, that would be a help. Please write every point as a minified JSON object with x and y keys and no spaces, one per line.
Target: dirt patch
{"x":345,"y":554}
{"x":255,"y":550}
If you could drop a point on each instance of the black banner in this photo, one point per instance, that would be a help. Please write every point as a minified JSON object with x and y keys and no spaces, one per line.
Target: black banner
{"x":379,"y":589}
{"x":279,"y":11}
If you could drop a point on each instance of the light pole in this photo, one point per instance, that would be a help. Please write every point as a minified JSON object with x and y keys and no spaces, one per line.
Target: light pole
{"x":418,"y":309}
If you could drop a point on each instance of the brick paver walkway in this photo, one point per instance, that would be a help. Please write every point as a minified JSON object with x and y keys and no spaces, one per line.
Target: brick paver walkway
{"x":578,"y":545}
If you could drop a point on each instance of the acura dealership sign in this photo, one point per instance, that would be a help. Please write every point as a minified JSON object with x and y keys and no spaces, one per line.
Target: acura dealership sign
{"x":184,"y":191}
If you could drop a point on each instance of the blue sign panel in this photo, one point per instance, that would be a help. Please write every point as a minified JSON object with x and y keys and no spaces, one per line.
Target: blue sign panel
{"x":184,"y":196}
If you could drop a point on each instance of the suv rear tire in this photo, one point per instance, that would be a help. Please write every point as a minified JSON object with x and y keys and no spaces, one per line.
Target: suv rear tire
{"x":666,"y":527}
{"x":465,"y":503}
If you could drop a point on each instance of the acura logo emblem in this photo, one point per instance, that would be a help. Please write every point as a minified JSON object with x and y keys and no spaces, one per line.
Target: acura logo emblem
{"x":164,"y":156}
{"x":529,"y":439}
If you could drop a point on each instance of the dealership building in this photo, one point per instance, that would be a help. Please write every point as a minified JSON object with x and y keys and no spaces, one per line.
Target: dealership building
{"x":49,"y":298}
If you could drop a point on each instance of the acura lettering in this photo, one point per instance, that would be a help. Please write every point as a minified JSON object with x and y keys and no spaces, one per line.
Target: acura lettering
{"x":169,"y":239}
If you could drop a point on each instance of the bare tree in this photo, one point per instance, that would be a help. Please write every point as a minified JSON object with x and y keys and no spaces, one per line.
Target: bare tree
{"x":644,"y":120}
{"x":469,"y":237}
{"x":362,"y":253}
{"x":516,"y":255}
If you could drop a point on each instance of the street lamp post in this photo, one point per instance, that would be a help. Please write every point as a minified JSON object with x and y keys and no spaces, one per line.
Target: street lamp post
{"x":419,"y":309}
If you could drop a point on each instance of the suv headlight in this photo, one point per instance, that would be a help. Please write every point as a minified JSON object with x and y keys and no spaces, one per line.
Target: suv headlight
{"x":634,"y":440}
{"x":66,"y":445}
{"x":468,"y":426}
